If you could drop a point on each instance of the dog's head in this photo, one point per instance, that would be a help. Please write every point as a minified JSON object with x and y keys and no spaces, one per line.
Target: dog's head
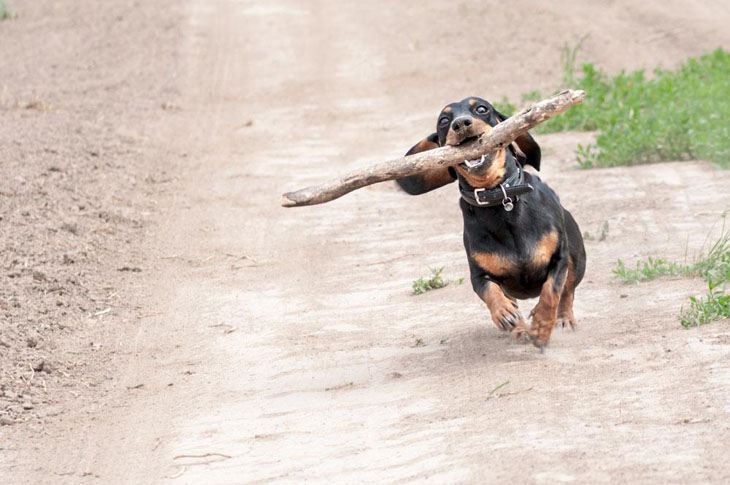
{"x":469,"y":118}
{"x":462,"y":122}
{"x":466,"y":120}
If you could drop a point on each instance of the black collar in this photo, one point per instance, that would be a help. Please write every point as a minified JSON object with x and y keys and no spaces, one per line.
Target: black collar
{"x":505,"y":194}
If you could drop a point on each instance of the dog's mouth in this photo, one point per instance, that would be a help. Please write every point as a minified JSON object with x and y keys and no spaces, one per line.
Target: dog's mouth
{"x":473,"y":164}
{"x":476,"y":164}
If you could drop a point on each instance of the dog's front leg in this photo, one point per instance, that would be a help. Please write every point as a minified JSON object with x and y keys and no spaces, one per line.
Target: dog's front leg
{"x":545,"y":313}
{"x":503,"y":310}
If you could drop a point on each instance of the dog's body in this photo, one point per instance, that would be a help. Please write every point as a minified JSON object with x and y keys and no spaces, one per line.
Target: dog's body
{"x":520,"y":241}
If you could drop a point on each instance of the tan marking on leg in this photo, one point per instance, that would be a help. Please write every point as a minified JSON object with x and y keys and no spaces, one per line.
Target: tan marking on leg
{"x":504,"y":311}
{"x":493,"y":263}
{"x":565,"y":307}
{"x":545,"y":313}
{"x":544,"y":249}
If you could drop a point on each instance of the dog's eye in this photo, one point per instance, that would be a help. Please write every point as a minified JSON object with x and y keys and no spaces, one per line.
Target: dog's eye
{"x":443,"y":120}
{"x":482,"y":109}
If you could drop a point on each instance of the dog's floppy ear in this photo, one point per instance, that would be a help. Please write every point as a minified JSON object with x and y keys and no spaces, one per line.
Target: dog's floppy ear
{"x":527,"y":146}
{"x":430,"y":180}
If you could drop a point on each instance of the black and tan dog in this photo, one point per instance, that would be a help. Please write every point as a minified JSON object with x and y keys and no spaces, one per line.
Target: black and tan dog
{"x":519,"y":240}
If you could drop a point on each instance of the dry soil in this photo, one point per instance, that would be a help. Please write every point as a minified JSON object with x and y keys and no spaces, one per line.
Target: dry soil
{"x":163,"y":320}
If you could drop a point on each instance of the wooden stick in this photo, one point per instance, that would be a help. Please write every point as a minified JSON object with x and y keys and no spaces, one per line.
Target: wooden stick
{"x":500,"y":136}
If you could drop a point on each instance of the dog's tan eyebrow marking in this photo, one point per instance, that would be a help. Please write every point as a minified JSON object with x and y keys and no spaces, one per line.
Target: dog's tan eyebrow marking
{"x":472,"y":102}
{"x":446,"y":109}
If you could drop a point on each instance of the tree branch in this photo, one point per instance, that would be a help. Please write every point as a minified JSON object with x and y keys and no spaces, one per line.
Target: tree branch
{"x":500,"y":136}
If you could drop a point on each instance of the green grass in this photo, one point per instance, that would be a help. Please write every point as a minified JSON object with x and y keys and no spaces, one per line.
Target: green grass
{"x":715,"y":264}
{"x":433,"y":282}
{"x":671,"y":115}
{"x":714,"y":306}
{"x":713,"y":267}
{"x":505,"y":107}
{"x":569,"y":62}
{"x":650,"y":269}
{"x":4,"y":12}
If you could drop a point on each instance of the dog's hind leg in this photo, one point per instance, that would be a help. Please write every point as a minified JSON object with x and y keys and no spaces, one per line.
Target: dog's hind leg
{"x":565,"y":307}
{"x":545,"y":313}
{"x":576,"y":270}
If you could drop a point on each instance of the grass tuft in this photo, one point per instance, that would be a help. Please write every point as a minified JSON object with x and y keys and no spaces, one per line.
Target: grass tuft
{"x":650,"y":269}
{"x":672,"y":115}
{"x":569,"y":61}
{"x":4,"y":12}
{"x":714,"y":267}
{"x":714,"y":306}
{"x":433,"y":282}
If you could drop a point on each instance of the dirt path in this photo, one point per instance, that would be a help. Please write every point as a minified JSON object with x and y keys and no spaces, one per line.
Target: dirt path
{"x":284,"y":344}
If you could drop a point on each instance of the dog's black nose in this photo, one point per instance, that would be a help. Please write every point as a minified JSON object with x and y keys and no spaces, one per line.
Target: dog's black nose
{"x":461,"y":123}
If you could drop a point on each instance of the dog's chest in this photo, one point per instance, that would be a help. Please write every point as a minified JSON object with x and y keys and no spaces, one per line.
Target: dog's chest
{"x":510,"y":252}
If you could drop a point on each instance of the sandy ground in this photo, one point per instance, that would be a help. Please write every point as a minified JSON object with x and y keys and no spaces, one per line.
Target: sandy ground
{"x":80,"y":179}
{"x":267,"y":344}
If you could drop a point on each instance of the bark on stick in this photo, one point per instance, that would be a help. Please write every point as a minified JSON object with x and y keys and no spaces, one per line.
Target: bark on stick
{"x":500,"y":136}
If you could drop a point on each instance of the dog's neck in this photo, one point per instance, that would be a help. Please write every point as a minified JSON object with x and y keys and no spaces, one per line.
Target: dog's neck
{"x":504,"y":192}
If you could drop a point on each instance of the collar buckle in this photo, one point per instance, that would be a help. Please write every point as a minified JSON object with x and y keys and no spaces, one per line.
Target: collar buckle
{"x":476,"y":196}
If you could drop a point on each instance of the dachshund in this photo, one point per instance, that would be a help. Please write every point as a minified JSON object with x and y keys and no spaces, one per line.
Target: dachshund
{"x":520,"y":241}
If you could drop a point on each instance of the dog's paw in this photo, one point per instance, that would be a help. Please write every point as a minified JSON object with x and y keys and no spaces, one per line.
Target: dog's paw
{"x":539,"y":343}
{"x":521,"y":332}
{"x":530,"y":335}
{"x":507,"y":317}
{"x":567,"y":320}
{"x":543,"y":322}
